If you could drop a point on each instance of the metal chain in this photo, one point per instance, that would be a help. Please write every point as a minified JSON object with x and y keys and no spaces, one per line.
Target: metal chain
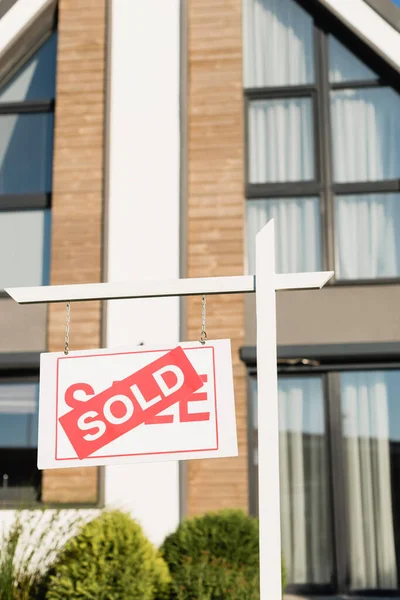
{"x":67,"y":320}
{"x":203,"y":334}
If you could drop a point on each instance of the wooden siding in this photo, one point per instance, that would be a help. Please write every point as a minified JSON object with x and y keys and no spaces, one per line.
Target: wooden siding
{"x":216,"y":219}
{"x":77,"y":209}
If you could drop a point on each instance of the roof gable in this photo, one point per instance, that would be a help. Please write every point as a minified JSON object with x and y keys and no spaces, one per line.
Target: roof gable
{"x":369,"y":26}
{"x":5,"y":6}
{"x":388,"y":9}
{"x":23,"y":28}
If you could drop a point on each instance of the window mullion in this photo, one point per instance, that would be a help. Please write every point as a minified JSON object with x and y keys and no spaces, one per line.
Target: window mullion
{"x":252,"y":444}
{"x":281,"y":92}
{"x":13,"y":202}
{"x":324,"y":143}
{"x":338,"y":481}
{"x":356,"y":85}
{"x":26,"y":107}
{"x":367,"y":187}
{"x":290,"y":189}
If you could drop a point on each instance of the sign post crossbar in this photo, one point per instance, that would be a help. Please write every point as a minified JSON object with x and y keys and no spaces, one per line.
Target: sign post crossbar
{"x":265,"y":283}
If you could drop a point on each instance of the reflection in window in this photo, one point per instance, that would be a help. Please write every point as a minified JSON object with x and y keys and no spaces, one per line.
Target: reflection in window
{"x":371,"y":429}
{"x":297,"y":225}
{"x":26,"y":159}
{"x":26,"y":153}
{"x":25,"y":241}
{"x":18,"y":415}
{"x":36,"y":80}
{"x":345,"y":66}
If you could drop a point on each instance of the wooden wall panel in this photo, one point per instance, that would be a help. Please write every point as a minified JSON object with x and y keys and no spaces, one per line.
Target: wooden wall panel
{"x":216,"y":219}
{"x":77,"y":209}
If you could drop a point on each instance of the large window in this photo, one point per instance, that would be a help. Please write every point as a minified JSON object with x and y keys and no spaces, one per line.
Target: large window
{"x":19,"y":477}
{"x":339,"y":437}
{"x":27,"y":99}
{"x":323,"y":144}
{"x":26,"y":153}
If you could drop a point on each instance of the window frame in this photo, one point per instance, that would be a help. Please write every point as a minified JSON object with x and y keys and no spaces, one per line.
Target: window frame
{"x":327,"y":361}
{"x":34,"y":201}
{"x":323,"y":186}
{"x":20,"y":368}
{"x":24,"y":367}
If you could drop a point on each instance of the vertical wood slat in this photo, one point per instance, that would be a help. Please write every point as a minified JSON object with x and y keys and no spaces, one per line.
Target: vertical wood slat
{"x":216,"y":218}
{"x":77,"y":205}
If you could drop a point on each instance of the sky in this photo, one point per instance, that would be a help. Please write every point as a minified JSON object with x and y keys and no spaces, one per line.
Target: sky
{"x":396,"y":2}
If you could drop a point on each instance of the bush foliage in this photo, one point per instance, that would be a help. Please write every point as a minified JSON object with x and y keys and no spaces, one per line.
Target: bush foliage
{"x":109,"y":559}
{"x":214,"y":557}
{"x":28,"y":547}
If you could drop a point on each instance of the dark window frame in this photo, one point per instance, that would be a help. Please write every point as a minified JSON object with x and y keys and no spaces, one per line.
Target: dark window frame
{"x":20,"y":368}
{"x":323,"y":187}
{"x":32,"y":201}
{"x":327,"y":361}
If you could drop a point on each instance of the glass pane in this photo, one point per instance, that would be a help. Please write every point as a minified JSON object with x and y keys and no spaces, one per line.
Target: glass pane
{"x":371,"y":430}
{"x":367,"y":236}
{"x":366,"y":134}
{"x":37,"y":78}
{"x":281,"y":141}
{"x":18,"y":415}
{"x":306,"y":534}
{"x":298,"y":234}
{"x":345,"y":66}
{"x":278,"y":43}
{"x":26,"y":153}
{"x":305,"y":500}
{"x":19,"y":477}
{"x":25,"y":248}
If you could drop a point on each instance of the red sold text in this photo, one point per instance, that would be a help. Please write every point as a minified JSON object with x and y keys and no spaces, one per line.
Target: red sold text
{"x":138,"y":399}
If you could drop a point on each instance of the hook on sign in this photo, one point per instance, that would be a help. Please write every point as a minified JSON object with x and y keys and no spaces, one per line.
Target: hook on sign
{"x":203,"y":334}
{"x":67,"y":321}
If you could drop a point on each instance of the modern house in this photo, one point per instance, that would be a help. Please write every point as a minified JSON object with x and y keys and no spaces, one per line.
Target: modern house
{"x":144,"y":139}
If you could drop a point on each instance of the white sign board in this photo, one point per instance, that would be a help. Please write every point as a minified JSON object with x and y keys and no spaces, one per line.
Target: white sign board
{"x":141,"y":404}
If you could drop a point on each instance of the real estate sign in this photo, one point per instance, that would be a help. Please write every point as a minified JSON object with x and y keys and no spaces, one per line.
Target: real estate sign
{"x":102,"y":407}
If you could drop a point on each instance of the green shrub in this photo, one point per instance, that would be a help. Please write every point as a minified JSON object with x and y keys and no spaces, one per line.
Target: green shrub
{"x":109,"y":559}
{"x":214,"y":557}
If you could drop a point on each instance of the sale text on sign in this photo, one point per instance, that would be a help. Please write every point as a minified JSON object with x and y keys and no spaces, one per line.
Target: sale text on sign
{"x":100,"y":407}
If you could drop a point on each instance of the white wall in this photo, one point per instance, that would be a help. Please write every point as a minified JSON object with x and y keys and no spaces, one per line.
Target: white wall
{"x":143,"y":218}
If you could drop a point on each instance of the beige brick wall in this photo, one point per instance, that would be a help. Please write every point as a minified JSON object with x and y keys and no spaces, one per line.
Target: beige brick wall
{"x":77,"y":205}
{"x":216,"y":218}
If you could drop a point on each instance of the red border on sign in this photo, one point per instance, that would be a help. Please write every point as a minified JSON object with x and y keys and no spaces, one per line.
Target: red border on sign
{"x":138,"y":453}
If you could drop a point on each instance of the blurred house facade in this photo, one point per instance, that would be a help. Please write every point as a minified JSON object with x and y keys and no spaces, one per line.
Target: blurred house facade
{"x":153,"y":139}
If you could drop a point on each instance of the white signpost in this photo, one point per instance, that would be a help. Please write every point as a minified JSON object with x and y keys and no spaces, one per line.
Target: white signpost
{"x":264,"y":283}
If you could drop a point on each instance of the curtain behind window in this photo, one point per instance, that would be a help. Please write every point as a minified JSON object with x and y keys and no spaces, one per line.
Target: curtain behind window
{"x":305,"y":512}
{"x":367,"y":236}
{"x":366,"y":134}
{"x":281,"y":141}
{"x":297,"y":237}
{"x":371,"y":429}
{"x":278,"y":43}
